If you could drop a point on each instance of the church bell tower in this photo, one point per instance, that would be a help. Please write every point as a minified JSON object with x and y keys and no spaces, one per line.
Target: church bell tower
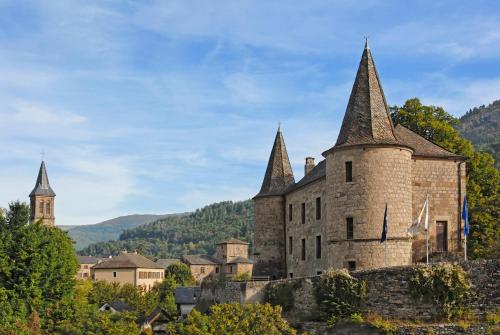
{"x":42,"y":199}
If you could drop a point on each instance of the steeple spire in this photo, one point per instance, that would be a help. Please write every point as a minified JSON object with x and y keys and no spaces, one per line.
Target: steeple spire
{"x":42,"y":186}
{"x":279,"y":174}
{"x":367,"y":119}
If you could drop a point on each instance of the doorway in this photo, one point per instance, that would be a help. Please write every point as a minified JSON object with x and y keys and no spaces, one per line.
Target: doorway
{"x":441,"y":236}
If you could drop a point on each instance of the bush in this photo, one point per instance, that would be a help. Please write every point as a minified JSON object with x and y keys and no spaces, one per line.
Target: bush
{"x":244,"y":276}
{"x":281,"y":294}
{"x":384,"y":325}
{"x":443,"y":284}
{"x":338,"y":294}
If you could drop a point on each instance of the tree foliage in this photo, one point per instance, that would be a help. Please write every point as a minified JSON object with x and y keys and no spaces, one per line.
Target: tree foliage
{"x":181,"y":273}
{"x":483,"y":179}
{"x":174,"y":236}
{"x":234,"y":319}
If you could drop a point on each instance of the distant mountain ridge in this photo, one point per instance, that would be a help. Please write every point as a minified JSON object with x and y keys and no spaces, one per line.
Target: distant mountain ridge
{"x":192,"y":233}
{"x":109,"y":229}
{"x":481,"y":126}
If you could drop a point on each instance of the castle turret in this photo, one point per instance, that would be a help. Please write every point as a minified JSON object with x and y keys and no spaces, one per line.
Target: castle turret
{"x":367,"y":168}
{"x":42,"y":199}
{"x":269,"y":217}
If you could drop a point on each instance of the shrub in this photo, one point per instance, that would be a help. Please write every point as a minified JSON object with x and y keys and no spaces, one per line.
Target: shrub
{"x":244,"y":276}
{"x":443,"y":284}
{"x":339,"y":294}
{"x":281,"y":294}
{"x":384,"y":325}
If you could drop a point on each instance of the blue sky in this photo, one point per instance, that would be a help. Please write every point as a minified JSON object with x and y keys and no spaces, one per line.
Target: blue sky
{"x":166,"y":106}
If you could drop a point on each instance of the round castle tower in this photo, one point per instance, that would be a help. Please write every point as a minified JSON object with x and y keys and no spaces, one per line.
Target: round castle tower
{"x":366,"y":169}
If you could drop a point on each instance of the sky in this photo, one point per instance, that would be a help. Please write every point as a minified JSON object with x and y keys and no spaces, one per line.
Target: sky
{"x":167,"y":106}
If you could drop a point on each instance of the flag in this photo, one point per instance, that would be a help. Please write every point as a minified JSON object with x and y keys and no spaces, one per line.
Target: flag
{"x":384,"y":228}
{"x":416,"y":225}
{"x":465,"y":216}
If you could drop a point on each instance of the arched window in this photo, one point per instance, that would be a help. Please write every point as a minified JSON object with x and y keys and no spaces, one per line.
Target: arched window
{"x":47,"y":208}
{"x":41,"y":207}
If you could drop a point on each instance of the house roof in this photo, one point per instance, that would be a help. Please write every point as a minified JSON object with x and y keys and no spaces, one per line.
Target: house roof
{"x":240,"y":260}
{"x":201,"y":260}
{"x":42,"y":186}
{"x":128,"y":260}
{"x":187,"y":295}
{"x":367,"y":119}
{"x":119,"y":306}
{"x":232,"y":241}
{"x":279,"y":174}
{"x":88,"y":260}
{"x":422,"y":146}
{"x":165,"y":262}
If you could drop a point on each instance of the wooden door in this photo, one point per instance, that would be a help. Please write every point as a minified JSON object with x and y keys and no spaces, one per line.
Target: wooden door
{"x":441,"y":236}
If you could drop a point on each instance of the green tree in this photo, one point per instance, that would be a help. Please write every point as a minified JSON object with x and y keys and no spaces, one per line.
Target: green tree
{"x":483,"y":182}
{"x":17,"y":215}
{"x":234,"y":319}
{"x":181,"y":274}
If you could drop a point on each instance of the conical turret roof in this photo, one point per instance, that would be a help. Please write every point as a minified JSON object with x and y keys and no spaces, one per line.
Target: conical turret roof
{"x":42,"y":186}
{"x":367,"y":119}
{"x":279,"y":174}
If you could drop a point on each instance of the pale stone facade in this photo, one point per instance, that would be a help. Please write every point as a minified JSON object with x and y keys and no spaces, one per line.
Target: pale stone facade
{"x":333,"y":217}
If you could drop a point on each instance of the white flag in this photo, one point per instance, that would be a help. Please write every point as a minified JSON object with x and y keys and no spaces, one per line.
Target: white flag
{"x":416,"y":225}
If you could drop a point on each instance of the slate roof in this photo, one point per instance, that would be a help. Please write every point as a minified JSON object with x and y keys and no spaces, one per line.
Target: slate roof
{"x":367,"y":119}
{"x":88,"y":260}
{"x":165,"y":262}
{"x":421,"y":146}
{"x":187,"y":295}
{"x":201,"y":260}
{"x":233,"y":241}
{"x":119,"y":306}
{"x":318,"y":172}
{"x":240,"y":260}
{"x":279,"y":174}
{"x":42,"y":186}
{"x":128,"y":260}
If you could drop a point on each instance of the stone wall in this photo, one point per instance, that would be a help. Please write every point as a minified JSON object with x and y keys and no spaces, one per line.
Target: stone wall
{"x":444,"y":181}
{"x":269,"y":236}
{"x":388,"y":292}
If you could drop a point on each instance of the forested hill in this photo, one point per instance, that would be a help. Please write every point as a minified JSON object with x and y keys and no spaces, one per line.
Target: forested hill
{"x":481,"y":126}
{"x":173,"y":236}
{"x":107,"y":230}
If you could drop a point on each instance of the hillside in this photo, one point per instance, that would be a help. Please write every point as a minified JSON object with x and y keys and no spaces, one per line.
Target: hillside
{"x":107,"y":230}
{"x":173,"y":236}
{"x":481,"y":126}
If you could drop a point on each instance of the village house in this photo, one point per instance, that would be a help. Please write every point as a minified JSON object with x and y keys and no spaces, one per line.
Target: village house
{"x":230,"y":259}
{"x":129,"y":268}
{"x":85,"y":266}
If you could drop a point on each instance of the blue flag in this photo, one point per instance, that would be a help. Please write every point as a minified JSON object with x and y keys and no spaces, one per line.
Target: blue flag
{"x":384,"y":229}
{"x":465,"y":216}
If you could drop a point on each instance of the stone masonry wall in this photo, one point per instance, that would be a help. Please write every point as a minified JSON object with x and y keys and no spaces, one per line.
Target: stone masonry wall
{"x":388,"y":292}
{"x":445,"y":184}
{"x":269,"y":235}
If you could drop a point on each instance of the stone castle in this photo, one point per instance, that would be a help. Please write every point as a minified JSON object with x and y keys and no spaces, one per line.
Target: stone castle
{"x":333,"y":216}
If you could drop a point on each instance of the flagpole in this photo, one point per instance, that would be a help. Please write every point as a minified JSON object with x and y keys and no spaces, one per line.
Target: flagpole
{"x":427,"y":228}
{"x":385,"y":252}
{"x":465,"y":249}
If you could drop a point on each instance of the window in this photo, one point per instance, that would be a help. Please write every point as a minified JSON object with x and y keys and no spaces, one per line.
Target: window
{"x":318,"y":208}
{"x":318,"y":247}
{"x":114,"y":274}
{"x":230,"y":269}
{"x":303,"y":213}
{"x":351,"y":265}
{"x":41,"y":207}
{"x":217,"y":270}
{"x":319,"y":273}
{"x":290,"y":212}
{"x":303,"y":251}
{"x":290,"y":275}
{"x":290,"y":245}
{"x":85,"y":266}
{"x":348,"y":171}
{"x":202,"y":269}
{"x":47,"y":208}
{"x":350,"y":228}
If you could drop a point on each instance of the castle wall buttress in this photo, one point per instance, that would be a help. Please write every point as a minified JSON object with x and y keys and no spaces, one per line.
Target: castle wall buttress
{"x":269,"y":237}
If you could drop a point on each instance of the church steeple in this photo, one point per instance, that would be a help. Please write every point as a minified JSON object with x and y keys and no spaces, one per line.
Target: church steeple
{"x":367,"y":119}
{"x":279,"y":174}
{"x":42,"y":199}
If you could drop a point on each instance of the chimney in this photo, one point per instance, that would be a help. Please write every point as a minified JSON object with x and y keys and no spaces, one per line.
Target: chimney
{"x":309,"y":165}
